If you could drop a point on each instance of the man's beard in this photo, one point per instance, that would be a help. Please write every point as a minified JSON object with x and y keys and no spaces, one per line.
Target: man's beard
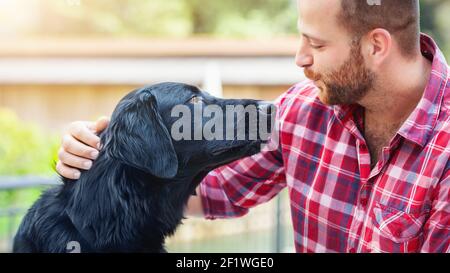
{"x":346,"y":85}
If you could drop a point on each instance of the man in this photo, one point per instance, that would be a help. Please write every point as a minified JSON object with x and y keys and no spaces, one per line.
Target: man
{"x":363,"y":145}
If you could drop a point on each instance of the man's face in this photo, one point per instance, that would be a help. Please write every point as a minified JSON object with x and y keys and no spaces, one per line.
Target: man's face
{"x":329,"y":55}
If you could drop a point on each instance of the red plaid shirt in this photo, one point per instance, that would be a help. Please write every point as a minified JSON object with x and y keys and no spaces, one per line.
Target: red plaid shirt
{"x":338,"y":203}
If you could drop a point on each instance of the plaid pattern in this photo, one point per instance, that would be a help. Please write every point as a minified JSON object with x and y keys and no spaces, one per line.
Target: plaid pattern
{"x":338,"y":203}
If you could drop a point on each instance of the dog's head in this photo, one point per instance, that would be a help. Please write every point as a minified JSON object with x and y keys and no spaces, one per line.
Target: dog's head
{"x":170,"y":128}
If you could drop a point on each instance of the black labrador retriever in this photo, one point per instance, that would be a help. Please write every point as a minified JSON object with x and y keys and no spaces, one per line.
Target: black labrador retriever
{"x":135,"y":193}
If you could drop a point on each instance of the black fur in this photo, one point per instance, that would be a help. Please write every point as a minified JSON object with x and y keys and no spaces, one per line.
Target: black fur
{"x":135,"y":193}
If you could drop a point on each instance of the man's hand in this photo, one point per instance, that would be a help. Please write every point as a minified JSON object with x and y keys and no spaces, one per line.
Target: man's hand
{"x":194,"y":206}
{"x":79,"y":147}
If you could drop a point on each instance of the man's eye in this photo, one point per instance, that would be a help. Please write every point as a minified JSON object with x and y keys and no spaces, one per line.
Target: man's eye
{"x":195,"y":100}
{"x":316,"y":46}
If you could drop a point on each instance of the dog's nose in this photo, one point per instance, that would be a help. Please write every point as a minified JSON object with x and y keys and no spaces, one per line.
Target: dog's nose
{"x":266,"y":107}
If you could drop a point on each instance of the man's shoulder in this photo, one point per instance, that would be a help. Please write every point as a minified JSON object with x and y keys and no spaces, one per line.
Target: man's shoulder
{"x":443,"y":119}
{"x":446,"y":99}
{"x":302,"y":96}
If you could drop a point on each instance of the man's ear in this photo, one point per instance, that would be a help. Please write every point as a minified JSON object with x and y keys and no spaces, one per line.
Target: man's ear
{"x":138,"y":137}
{"x":379,"y":44}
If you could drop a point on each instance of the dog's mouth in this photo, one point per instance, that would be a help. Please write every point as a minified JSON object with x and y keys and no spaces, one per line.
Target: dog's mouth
{"x":226,"y":155}
{"x":252,"y":146}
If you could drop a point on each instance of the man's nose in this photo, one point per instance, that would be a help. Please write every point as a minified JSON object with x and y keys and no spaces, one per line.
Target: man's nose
{"x":303,"y":58}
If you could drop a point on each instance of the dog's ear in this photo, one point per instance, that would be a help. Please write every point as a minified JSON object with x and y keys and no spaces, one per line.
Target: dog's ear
{"x":139,"y":138}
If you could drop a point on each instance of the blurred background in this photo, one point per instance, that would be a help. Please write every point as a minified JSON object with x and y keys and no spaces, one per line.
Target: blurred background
{"x":67,"y":60}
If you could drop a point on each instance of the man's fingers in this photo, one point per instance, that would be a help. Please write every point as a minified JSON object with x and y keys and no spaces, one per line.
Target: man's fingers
{"x":101,"y":124}
{"x":79,"y":147}
{"x":83,"y":133}
{"x":66,"y":171}
{"x":74,"y":147}
{"x":74,"y":161}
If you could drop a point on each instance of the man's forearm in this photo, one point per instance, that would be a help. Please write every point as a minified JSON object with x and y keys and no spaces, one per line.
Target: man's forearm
{"x":194,"y":206}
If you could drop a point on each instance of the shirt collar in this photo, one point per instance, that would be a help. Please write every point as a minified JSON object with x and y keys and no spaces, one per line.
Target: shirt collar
{"x":421,"y":122}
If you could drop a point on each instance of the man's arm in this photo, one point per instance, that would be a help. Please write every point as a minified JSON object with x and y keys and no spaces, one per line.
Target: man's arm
{"x":230,"y":191}
{"x":194,"y":206}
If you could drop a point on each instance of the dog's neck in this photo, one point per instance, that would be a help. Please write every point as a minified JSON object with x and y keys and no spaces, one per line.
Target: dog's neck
{"x":134,"y":207}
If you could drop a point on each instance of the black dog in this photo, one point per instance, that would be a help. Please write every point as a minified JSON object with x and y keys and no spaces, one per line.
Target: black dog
{"x":135,"y":193}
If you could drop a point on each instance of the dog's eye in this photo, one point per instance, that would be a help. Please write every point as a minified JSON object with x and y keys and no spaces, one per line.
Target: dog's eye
{"x":195,"y":100}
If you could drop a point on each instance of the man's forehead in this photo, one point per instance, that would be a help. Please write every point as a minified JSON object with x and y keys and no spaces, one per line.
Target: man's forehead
{"x":318,"y":18}
{"x":326,"y":6}
{"x":310,"y":33}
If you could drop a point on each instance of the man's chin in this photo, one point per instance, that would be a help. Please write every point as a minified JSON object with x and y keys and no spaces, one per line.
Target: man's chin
{"x":323,"y":95}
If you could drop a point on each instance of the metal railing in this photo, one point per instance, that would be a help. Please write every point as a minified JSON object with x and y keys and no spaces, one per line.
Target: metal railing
{"x":13,"y":211}
{"x":20,"y":182}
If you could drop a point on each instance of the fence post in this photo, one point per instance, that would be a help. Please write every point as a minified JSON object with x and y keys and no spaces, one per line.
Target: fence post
{"x":11,"y":221}
{"x":278,"y":225}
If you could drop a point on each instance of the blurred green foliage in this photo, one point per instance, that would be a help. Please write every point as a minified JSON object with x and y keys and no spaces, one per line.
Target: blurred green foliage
{"x":168,"y":18}
{"x":183,"y":18}
{"x":435,"y":21}
{"x":24,"y":150}
{"x":176,"y":18}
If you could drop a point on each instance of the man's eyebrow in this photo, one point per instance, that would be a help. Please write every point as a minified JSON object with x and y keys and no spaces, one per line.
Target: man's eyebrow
{"x":310,"y":37}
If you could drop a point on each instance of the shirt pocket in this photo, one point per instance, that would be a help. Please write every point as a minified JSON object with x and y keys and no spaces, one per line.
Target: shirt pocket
{"x":398,"y":226}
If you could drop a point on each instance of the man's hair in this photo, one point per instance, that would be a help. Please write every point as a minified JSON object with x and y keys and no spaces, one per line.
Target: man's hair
{"x":400,"y":17}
